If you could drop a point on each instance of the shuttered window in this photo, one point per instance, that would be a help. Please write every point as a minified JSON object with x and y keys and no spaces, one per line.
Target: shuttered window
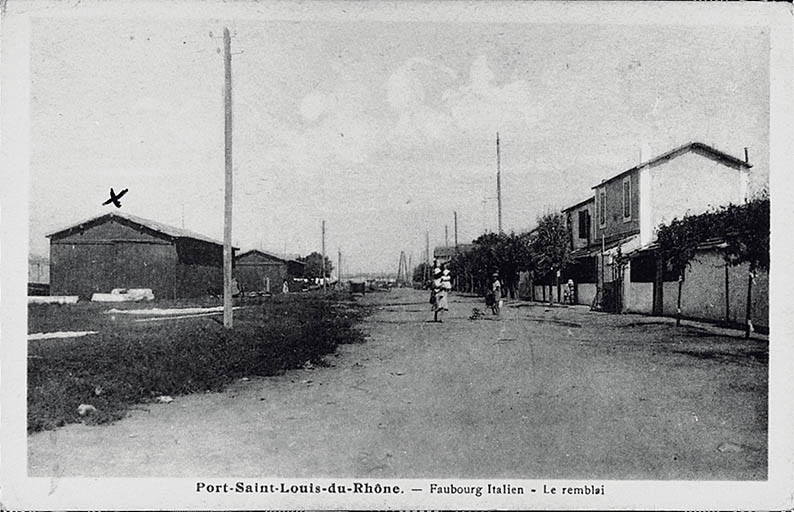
{"x":602,"y":207}
{"x":627,"y":198}
{"x":584,"y":224}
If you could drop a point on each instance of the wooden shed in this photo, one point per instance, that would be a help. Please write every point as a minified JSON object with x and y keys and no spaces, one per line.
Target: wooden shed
{"x":258,"y":271}
{"x":118,"y":250}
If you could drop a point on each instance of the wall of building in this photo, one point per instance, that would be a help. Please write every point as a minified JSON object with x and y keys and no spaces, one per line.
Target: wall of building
{"x":543,"y":292}
{"x":253,"y":270}
{"x":638,"y":297}
{"x":691,"y":183}
{"x":703,"y":293}
{"x":198,"y":280}
{"x":111,"y":255}
{"x":254,"y":277}
{"x":573,"y":214}
{"x":586,"y":292}
{"x":615,"y":225}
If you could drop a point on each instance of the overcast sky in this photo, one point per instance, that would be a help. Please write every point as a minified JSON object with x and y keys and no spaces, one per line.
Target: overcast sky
{"x":383,"y":129}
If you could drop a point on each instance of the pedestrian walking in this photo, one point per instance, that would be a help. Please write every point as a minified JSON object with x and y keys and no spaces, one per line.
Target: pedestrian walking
{"x":439,"y":295}
{"x":493,"y":298}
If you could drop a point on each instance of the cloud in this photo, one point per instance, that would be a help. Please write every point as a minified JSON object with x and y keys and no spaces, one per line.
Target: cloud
{"x":430,"y":106}
{"x":313,"y":105}
{"x":406,"y":89}
{"x":484,"y":106}
{"x":459,"y":112}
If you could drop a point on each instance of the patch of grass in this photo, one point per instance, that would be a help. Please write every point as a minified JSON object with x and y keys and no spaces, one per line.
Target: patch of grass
{"x":129,"y":363}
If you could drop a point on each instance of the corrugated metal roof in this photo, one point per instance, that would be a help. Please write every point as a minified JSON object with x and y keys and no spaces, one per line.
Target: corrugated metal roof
{"x":153,"y":225}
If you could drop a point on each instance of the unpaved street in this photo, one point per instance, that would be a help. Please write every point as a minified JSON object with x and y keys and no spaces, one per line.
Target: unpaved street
{"x":539,"y":393}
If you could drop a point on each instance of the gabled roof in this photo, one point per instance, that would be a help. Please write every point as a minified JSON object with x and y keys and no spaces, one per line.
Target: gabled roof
{"x":164,"y":229}
{"x":270,"y":255}
{"x":590,"y":199}
{"x":711,"y":152}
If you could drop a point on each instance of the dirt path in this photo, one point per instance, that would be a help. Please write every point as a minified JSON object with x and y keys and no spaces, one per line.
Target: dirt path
{"x":539,"y":393}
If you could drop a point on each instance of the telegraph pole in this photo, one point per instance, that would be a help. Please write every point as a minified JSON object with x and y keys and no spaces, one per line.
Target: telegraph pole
{"x":499,"y":182}
{"x":323,"y":275}
{"x":446,"y":235}
{"x":427,"y":256}
{"x":456,"y":231}
{"x":227,"y":203}
{"x":339,"y":268}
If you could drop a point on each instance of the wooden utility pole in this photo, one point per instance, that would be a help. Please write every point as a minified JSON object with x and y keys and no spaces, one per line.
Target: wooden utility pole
{"x":727,"y":297}
{"x":227,"y":203}
{"x":603,"y":263}
{"x":427,"y":256}
{"x":323,"y":274}
{"x":456,"y":231}
{"x":749,"y":305}
{"x":446,"y":235}
{"x":499,"y":182}
{"x":339,"y":268}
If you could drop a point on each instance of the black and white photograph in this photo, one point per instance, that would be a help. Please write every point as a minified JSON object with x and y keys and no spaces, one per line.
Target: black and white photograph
{"x":398,"y":255}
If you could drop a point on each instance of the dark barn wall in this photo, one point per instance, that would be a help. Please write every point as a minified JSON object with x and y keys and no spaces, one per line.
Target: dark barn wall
{"x":200,"y":268}
{"x":111,"y":255}
{"x":254,"y":268}
{"x":252,"y":277}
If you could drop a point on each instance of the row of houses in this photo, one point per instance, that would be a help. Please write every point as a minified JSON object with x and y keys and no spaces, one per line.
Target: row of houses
{"x":616,"y":265}
{"x":119,"y":250}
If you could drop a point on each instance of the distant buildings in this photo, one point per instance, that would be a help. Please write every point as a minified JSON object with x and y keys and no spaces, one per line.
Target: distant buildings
{"x":118,"y":250}
{"x":257,"y":270}
{"x":444,"y":254}
{"x":38,"y":275}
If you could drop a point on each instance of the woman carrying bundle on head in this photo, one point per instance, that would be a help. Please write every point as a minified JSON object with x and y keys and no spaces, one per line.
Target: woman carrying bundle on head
{"x":439,"y":298}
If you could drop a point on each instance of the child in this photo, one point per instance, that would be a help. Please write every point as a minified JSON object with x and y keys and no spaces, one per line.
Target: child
{"x":495,"y":294}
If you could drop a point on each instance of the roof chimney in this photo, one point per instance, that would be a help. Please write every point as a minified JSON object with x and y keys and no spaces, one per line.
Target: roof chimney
{"x":746,"y":156}
{"x":645,"y":152}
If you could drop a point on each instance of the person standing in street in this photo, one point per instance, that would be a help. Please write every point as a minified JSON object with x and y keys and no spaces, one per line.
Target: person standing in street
{"x":496,"y":291}
{"x":440,"y":303}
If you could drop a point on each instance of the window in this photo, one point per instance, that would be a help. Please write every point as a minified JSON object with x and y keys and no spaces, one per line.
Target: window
{"x":627,"y":198}
{"x":584,"y":224}
{"x":602,"y":207}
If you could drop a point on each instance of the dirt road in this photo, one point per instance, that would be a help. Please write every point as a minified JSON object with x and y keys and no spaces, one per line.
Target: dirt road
{"x":539,"y":393}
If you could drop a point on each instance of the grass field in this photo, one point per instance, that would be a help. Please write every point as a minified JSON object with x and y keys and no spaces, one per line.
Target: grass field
{"x":131,"y":362}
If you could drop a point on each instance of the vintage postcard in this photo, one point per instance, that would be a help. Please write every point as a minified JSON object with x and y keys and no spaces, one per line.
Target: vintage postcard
{"x":399,"y":255}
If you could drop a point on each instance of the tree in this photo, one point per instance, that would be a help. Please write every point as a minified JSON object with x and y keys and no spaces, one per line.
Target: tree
{"x":421,"y":273}
{"x":747,"y":238}
{"x":313,"y":268}
{"x":744,"y":228}
{"x":678,"y":243}
{"x":550,"y":250}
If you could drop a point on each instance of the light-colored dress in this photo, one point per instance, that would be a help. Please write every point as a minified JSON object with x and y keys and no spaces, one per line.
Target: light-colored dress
{"x":441,"y":295}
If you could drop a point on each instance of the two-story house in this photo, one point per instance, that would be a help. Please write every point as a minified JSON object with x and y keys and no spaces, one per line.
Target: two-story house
{"x":583,"y":266}
{"x":627,"y":209}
